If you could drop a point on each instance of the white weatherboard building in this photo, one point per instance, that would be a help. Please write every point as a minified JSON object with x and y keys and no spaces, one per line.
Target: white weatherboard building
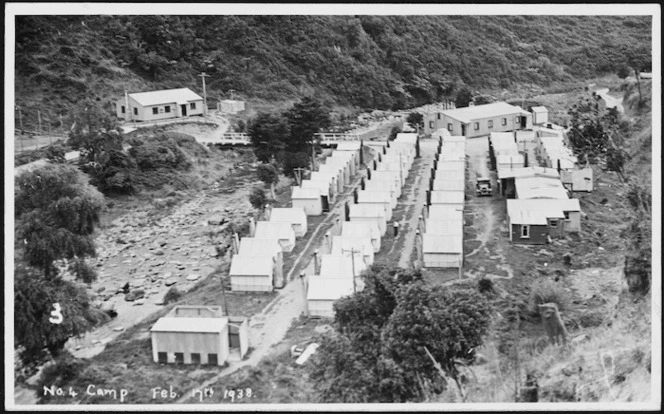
{"x":183,"y":338}
{"x":277,"y":230}
{"x":252,"y":273}
{"x":294,"y":215}
{"x":479,"y":120}
{"x":156,"y":105}
{"x":540,"y":115}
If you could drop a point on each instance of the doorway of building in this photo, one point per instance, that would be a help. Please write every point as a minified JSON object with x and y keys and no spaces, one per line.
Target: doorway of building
{"x":183,"y":109}
{"x":523,"y":122}
{"x":463,"y":130}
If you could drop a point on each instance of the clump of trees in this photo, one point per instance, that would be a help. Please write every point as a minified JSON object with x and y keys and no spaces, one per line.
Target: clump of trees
{"x":387,"y":334}
{"x":56,"y":212}
{"x":288,"y":139}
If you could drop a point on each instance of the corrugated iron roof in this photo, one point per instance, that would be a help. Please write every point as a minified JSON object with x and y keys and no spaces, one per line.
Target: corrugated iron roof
{"x":528,"y":172}
{"x":536,"y":212}
{"x":539,"y":187}
{"x":539,"y":109}
{"x":471,"y":113}
{"x":181,"y":95}
{"x":261,"y":265}
{"x":187,"y":324}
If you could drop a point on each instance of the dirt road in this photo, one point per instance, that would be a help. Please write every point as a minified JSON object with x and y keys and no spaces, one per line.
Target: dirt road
{"x":611,"y":102}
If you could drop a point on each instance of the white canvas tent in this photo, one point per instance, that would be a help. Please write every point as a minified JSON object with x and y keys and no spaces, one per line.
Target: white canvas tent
{"x":322,"y":292}
{"x":339,"y":163}
{"x":382,"y":186}
{"x":344,"y":245}
{"x":362,"y":229}
{"x":442,"y":251}
{"x":444,"y":227}
{"x":294,"y":215}
{"x":341,"y":266}
{"x":449,"y":198}
{"x":383,"y":199}
{"x":334,"y":170}
{"x":277,"y":230}
{"x":309,"y":199}
{"x":334,"y":179}
{"x":347,"y":156}
{"x":325,"y":188}
{"x":252,"y":273}
{"x":441,"y":212}
{"x":370,"y":213}
{"x":443,"y":184}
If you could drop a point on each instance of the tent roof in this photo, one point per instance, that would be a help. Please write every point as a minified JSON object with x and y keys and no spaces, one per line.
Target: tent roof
{"x":444,"y":227}
{"x":306,"y":193}
{"x":291,"y":215}
{"x":442,"y":244}
{"x":274,"y":229}
{"x":340,"y":265}
{"x":367,"y":196}
{"x":260,"y":265}
{"x":360,"y":229}
{"x":443,"y":212}
{"x":327,"y":288}
{"x":451,"y":197}
{"x":367,"y":210}
{"x":340,"y":243}
{"x":165,"y":96}
{"x":348,"y":146}
{"x":254,"y":246}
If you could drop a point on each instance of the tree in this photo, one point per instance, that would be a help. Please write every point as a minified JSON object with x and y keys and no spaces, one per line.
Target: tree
{"x":637,"y":58}
{"x":394,"y":132}
{"x":305,"y":119}
{"x":269,"y":174}
{"x":56,"y":154}
{"x":623,"y":72}
{"x":34,"y":299}
{"x":56,"y":214}
{"x":257,"y":198}
{"x":463,"y":98}
{"x":268,"y":133}
{"x":615,"y":160}
{"x":415,"y":120}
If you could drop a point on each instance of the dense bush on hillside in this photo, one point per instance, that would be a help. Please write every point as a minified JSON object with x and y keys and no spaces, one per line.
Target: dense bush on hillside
{"x":367,"y":61}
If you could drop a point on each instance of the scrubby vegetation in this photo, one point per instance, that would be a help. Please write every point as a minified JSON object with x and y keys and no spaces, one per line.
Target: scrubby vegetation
{"x":385,"y":62}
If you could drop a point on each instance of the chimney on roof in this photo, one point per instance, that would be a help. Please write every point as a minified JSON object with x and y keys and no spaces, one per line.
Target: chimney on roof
{"x":316,"y":262}
{"x":328,"y":242}
{"x":236,"y":243}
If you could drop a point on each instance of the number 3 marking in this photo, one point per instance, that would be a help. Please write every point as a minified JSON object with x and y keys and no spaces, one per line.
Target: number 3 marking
{"x":57,"y":314}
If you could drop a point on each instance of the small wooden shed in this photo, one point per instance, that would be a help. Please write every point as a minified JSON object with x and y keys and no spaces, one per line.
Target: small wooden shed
{"x":189,"y":339}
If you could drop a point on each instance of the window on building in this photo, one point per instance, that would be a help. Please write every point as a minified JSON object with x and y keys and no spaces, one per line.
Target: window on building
{"x":525,"y":232}
{"x":135,"y":111}
{"x":477,"y":126}
{"x":566,"y":213}
{"x":212,"y":359}
{"x":430,"y":124}
{"x":122,"y":109}
{"x":490,"y":123}
{"x":504,"y":121}
{"x":179,"y":357}
{"x":553,"y":223}
{"x":193,"y":105}
{"x":450,"y":127}
{"x":167,"y":109}
{"x":195,"y":358}
{"x":162,"y":357}
{"x":155,"y":111}
{"x":517,"y":119}
{"x":438,"y":116}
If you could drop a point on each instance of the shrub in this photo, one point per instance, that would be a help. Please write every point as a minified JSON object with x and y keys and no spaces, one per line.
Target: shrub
{"x":173,"y":295}
{"x":62,"y":371}
{"x":393,"y":133}
{"x":257,"y":198}
{"x":485,"y":285}
{"x":546,"y":291}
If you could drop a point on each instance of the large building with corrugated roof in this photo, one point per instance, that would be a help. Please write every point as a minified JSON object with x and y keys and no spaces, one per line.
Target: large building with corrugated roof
{"x":479,"y":120}
{"x":156,"y":105}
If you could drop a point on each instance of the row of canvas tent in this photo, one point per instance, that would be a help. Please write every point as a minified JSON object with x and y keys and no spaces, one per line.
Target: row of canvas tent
{"x":316,"y":194}
{"x":257,"y":264}
{"x":338,"y":270}
{"x":442,"y":219}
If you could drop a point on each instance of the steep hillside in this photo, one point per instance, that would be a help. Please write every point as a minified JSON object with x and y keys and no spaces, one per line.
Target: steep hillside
{"x":365,"y":61}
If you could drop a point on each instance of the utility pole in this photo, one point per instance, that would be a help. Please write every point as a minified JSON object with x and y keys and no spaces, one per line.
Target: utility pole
{"x":352,"y":251}
{"x":298,"y":175}
{"x":203,"y":75}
